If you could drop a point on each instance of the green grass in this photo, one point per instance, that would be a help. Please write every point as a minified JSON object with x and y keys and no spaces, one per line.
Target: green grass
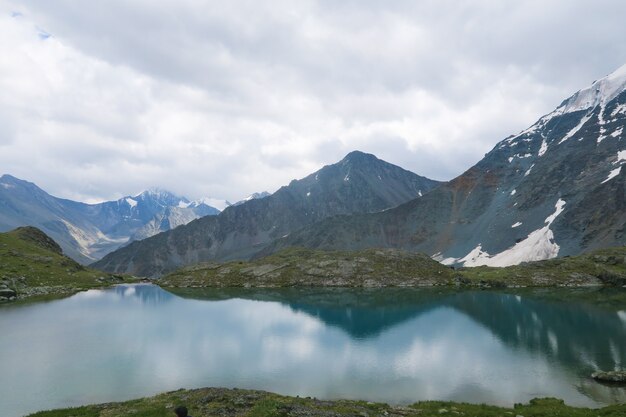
{"x":34,"y":267}
{"x":224,"y":402}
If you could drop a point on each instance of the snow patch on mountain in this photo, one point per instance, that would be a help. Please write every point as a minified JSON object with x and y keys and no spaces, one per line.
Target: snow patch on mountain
{"x":621,"y":156}
{"x":543,"y":149}
{"x":619,"y":109}
{"x":132,"y":203}
{"x":537,"y":246}
{"x":572,"y":132}
{"x":614,"y":173}
{"x":527,"y":173}
{"x":618,"y":132}
{"x":527,"y":155}
{"x":518,"y":224}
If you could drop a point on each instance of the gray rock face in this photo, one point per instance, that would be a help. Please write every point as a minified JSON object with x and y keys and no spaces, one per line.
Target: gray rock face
{"x":87,"y":232}
{"x":557,"y":188}
{"x":360,"y":183}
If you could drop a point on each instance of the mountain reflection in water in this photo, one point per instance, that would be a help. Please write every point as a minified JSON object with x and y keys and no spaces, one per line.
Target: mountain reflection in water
{"x":392,"y":345}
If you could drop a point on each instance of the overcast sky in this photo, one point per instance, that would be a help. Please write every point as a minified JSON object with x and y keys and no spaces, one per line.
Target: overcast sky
{"x":101,"y":99}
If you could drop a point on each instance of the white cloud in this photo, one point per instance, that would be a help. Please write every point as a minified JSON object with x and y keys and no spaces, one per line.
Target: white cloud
{"x":235,"y":97}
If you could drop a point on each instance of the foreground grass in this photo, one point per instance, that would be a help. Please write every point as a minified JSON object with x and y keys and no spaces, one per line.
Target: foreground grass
{"x":33,"y":266}
{"x":224,"y":402}
{"x":396,"y":268}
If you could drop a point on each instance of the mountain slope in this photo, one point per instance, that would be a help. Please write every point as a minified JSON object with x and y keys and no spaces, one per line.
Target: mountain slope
{"x":555,"y":189}
{"x":359,"y":183}
{"x":89,"y":231}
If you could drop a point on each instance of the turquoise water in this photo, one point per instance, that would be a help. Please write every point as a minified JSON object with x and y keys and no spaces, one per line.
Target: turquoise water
{"x":395,"y":345}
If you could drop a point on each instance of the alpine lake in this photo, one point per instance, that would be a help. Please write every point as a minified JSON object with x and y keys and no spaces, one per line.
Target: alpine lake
{"x":392,"y":345}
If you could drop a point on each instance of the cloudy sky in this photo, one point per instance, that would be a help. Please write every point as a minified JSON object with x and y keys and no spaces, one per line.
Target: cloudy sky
{"x":225,"y":98}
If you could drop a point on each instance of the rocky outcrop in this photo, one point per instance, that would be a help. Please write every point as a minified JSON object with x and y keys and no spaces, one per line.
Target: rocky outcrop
{"x":615,"y":377}
{"x":305,"y":268}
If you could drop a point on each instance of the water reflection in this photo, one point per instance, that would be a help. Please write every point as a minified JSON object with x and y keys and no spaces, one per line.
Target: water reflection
{"x":388,"y":345}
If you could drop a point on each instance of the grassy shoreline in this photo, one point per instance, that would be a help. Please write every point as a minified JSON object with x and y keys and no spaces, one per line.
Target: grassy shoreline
{"x":206,"y":402}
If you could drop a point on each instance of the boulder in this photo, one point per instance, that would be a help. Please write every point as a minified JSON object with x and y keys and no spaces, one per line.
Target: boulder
{"x":618,"y":377}
{"x":7,"y":293}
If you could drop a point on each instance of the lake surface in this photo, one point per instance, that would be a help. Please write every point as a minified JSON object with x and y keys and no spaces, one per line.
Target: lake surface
{"x":391,"y":345}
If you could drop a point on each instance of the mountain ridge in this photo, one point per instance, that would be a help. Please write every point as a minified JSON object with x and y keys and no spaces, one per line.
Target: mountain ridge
{"x":358,"y":183}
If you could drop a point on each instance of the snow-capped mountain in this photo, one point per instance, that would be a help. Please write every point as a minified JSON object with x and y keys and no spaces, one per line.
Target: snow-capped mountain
{"x":555,"y":189}
{"x":86,"y":232}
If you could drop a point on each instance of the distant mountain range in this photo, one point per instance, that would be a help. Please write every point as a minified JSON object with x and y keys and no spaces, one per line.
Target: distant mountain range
{"x":555,"y":189}
{"x":358,"y":184}
{"x":86,"y":232}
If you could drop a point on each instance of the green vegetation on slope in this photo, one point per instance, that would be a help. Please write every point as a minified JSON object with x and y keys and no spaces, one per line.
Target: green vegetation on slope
{"x":223,"y":402}
{"x":32,"y":264}
{"x":601,"y":267}
{"x":389,"y":268}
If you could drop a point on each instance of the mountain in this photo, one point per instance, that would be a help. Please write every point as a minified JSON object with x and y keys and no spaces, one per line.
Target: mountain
{"x":555,"y":189}
{"x":359,"y":183}
{"x":87,"y":232}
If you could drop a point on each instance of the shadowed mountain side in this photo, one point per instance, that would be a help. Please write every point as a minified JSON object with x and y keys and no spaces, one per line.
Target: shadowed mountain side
{"x":450,"y":213}
{"x":357,"y":184}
